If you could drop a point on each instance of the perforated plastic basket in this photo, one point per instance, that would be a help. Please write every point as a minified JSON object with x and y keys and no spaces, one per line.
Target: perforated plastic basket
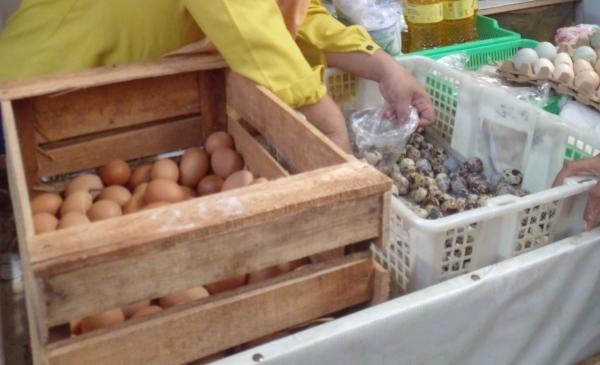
{"x":424,"y":252}
{"x":489,"y":33}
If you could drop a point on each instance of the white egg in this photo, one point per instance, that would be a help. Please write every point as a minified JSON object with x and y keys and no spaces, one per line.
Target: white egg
{"x":525,"y":56}
{"x":582,"y":65}
{"x":585,"y":53}
{"x":589,"y":77}
{"x":541,"y":63}
{"x":563,"y":69}
{"x":563,"y":58}
{"x":546,"y":50}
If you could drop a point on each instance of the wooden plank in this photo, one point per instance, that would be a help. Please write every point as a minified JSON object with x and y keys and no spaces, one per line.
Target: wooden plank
{"x":109,"y":75}
{"x":282,"y":126}
{"x":384,"y":237}
{"x":140,"y":142}
{"x":259,"y":161}
{"x":198,"y":329}
{"x":206,"y":240}
{"x":24,"y":224}
{"x":125,"y":104}
{"x":381,"y":284}
{"x":490,"y":7}
{"x":24,"y":113}
{"x":212,"y":101}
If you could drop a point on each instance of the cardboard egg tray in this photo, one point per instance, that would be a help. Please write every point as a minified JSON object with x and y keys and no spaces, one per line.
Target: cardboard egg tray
{"x":564,"y":85}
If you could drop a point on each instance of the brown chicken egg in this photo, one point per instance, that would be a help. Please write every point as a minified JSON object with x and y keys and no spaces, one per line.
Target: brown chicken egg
{"x":116,"y":172}
{"x":264,"y":274}
{"x":155,"y":205}
{"x":227,"y":284}
{"x":44,"y":222}
{"x":218,"y":140}
{"x":259,"y":180}
{"x":165,"y":169}
{"x":183,"y":296}
{"x":135,"y":204}
{"x":140,"y":189}
{"x":188,"y":193}
{"x":72,"y":219}
{"x":225,"y":162}
{"x":129,"y":310}
{"x":75,"y":327}
{"x":79,"y":201}
{"x":116,"y":193}
{"x":141,"y":174}
{"x":102,"y":320}
{"x":104,"y":209}
{"x":193,"y":167}
{"x":146,"y":311}
{"x":238,"y":179}
{"x":210,"y":185}
{"x":163,"y":190}
{"x":90,"y":183}
{"x":46,"y":203}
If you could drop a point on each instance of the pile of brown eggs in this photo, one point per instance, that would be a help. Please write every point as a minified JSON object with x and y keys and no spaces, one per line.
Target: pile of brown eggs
{"x":434,"y":184}
{"x":119,"y":189}
{"x":151,"y":306}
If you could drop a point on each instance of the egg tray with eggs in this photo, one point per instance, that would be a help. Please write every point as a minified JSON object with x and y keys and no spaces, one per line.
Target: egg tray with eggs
{"x":101,"y":239}
{"x":571,"y":69}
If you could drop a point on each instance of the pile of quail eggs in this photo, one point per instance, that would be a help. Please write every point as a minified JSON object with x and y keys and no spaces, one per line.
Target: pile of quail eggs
{"x":434,"y":184}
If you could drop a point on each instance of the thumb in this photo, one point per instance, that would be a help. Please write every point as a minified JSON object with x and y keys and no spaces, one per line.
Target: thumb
{"x":592,"y":208}
{"x":587,"y":167}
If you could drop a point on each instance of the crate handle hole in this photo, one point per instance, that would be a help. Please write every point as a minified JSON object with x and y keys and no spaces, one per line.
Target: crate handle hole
{"x":475,"y":277}
{"x":258,"y":357}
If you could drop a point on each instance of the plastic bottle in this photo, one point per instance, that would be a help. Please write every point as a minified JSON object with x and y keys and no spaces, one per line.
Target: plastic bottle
{"x":460,"y":21}
{"x":425,"y":19}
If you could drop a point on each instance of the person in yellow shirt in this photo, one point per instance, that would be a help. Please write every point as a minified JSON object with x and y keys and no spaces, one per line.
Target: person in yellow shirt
{"x":283,"y":45}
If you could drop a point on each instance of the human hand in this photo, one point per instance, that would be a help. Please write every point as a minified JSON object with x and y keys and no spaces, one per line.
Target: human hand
{"x":587,"y":167}
{"x":401,"y":90}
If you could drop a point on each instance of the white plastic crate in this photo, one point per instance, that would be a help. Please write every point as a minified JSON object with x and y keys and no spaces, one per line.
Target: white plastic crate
{"x":424,"y":252}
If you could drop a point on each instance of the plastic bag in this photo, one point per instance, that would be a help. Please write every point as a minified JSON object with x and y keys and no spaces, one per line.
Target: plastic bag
{"x":374,"y":131}
{"x":458,"y":61}
{"x":540,"y":96}
{"x":572,"y":34}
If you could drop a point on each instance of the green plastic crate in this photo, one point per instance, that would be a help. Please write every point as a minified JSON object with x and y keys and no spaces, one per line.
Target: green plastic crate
{"x":485,"y":55}
{"x":489,"y":33}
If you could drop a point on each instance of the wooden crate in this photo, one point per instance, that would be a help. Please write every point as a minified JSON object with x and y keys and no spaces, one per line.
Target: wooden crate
{"x":59,"y":125}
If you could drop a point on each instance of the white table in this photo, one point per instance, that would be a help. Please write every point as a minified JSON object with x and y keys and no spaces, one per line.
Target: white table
{"x":539,"y":308}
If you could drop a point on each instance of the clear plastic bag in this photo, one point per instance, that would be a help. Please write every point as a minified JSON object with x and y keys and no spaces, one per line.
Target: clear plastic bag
{"x":373,"y":130}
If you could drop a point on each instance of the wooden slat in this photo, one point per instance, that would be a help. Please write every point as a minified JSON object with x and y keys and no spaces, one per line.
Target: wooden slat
{"x":298,"y":140}
{"x":140,"y":142}
{"x":381,"y":284}
{"x":206,"y":240}
{"x":182,"y":335}
{"x":109,"y":75}
{"x":115,"y":106}
{"x":259,"y":161}
{"x":24,"y":113}
{"x":212,"y":101}
{"x":24,"y":224}
{"x":384,"y":237}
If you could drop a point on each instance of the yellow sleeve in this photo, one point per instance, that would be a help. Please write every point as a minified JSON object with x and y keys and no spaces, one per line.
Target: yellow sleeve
{"x":254,"y":40}
{"x":327,"y":34}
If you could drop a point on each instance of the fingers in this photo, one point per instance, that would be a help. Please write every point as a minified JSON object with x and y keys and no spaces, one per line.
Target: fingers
{"x":425,"y":108}
{"x":402,"y":110}
{"x":592,"y":209}
{"x":587,"y":167}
